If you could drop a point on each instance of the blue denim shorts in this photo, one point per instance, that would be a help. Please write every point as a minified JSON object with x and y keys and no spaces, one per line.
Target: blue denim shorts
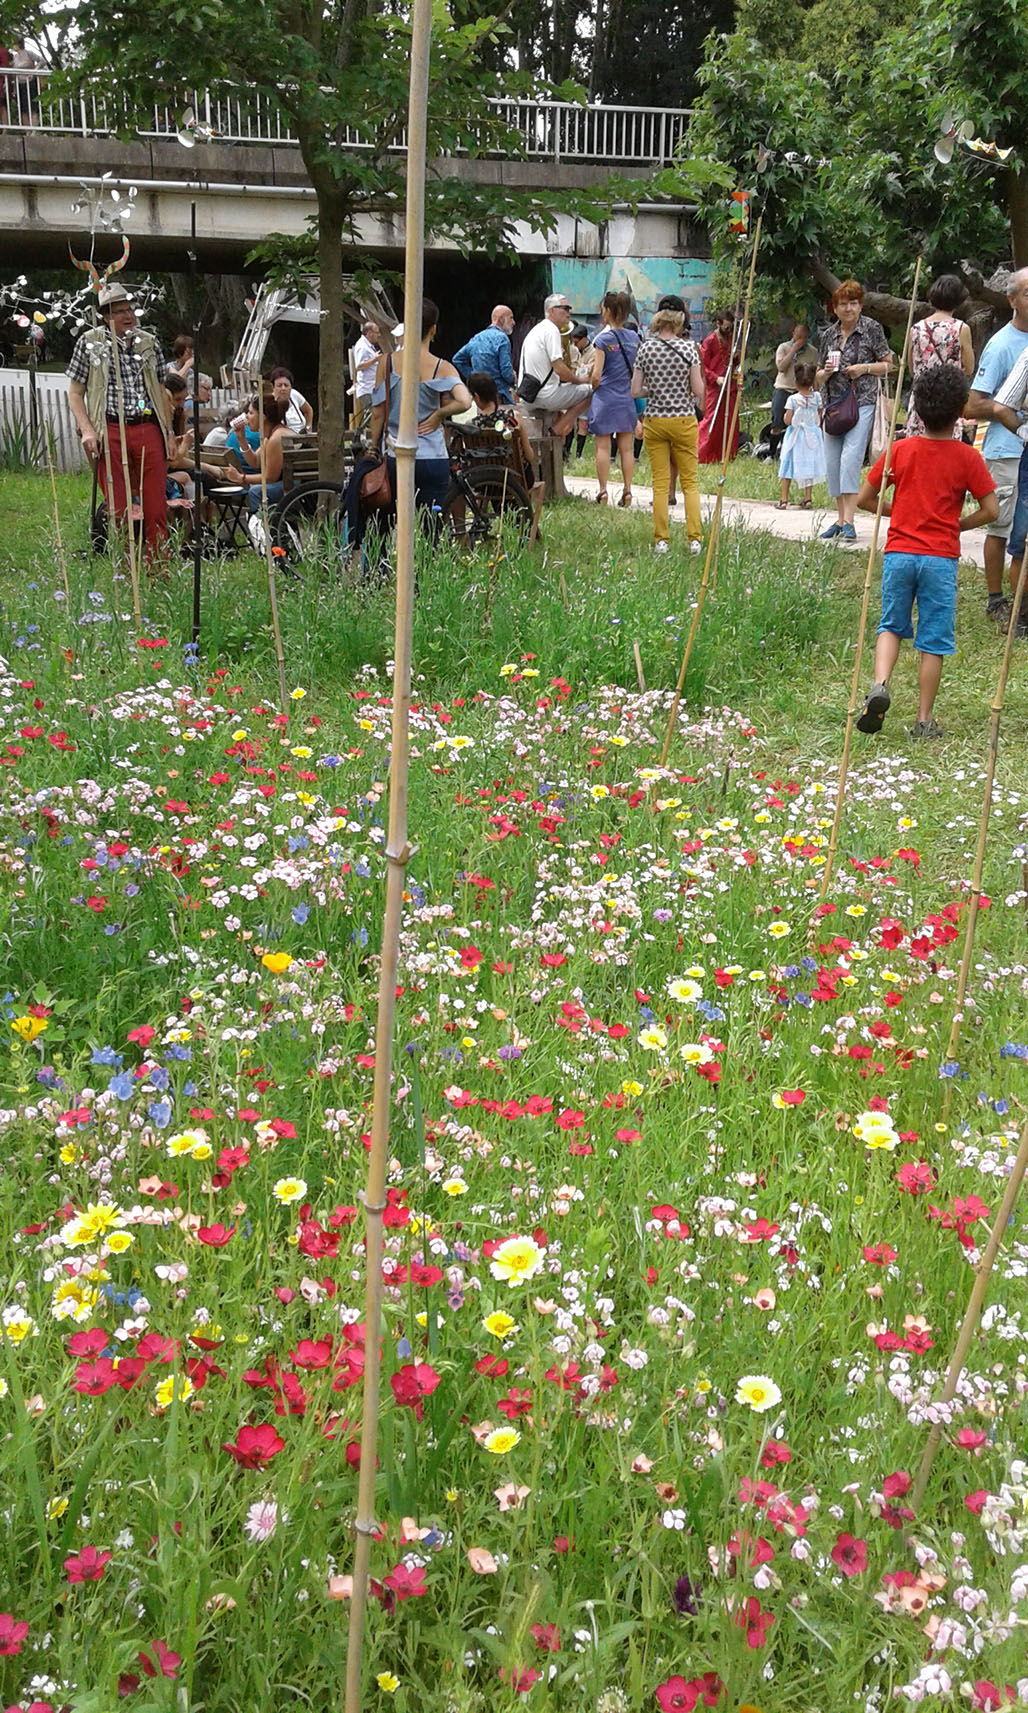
{"x":932,"y":583}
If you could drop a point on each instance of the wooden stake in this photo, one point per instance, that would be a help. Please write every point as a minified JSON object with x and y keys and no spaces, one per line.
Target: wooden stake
{"x":840,"y":794}
{"x":714,"y":537}
{"x":979,"y":855}
{"x":974,"y":1309}
{"x":62,"y":562}
{"x":639,"y":666}
{"x":398,"y":850}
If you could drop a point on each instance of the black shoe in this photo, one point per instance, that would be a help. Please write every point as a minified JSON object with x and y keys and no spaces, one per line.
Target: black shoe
{"x":998,"y":610}
{"x":876,"y":706}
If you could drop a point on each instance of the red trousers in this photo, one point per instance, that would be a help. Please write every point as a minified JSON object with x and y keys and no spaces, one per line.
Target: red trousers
{"x":148,"y":474}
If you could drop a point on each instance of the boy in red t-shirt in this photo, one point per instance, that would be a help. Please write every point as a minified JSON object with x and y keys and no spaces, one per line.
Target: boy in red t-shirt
{"x":931,"y":474}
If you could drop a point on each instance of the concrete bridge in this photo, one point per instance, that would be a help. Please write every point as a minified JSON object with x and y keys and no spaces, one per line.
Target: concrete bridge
{"x":231,"y":153}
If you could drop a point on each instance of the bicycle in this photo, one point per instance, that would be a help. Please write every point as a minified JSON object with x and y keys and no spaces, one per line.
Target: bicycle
{"x":485,"y":498}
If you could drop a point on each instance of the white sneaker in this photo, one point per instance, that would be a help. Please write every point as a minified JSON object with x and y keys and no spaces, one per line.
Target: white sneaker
{"x":662,"y":547}
{"x":695,"y":547}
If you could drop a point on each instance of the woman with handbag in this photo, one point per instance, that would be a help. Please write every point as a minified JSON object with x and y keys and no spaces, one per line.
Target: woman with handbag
{"x":940,"y":338}
{"x":441,"y":394}
{"x":853,"y":353}
{"x":612,"y":411}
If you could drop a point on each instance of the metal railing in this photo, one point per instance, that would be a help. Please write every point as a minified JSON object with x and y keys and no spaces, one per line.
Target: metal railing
{"x":548,"y":130}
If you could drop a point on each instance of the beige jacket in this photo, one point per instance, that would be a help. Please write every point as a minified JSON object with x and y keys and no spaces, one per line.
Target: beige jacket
{"x":98,"y":344}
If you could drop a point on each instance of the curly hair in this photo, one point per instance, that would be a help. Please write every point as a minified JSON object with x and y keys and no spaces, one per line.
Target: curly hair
{"x":940,"y":394}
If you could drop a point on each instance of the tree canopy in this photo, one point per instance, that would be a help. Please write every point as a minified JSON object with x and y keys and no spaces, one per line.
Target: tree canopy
{"x":832,"y":122}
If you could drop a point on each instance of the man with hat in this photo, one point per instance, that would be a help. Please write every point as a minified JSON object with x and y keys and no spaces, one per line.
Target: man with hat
{"x":142,"y":408}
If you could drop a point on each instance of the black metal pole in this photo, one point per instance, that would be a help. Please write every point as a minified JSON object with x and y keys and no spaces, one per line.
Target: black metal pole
{"x":197,"y":485}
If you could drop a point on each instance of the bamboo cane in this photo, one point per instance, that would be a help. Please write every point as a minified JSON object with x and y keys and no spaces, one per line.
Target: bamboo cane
{"x":715,"y":527}
{"x":398,"y":848}
{"x":974,"y":1309}
{"x":62,"y":562}
{"x":283,"y":698}
{"x":979,"y":856}
{"x":840,"y":794}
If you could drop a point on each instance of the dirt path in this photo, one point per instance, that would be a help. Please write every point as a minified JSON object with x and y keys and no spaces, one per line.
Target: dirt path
{"x":791,"y":525}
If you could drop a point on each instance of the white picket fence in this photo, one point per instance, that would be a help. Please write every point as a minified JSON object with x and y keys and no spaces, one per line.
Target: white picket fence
{"x":54,"y":418}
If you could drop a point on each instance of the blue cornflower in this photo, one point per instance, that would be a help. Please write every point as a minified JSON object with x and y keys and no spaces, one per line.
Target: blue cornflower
{"x":107,"y":1056}
{"x":122,"y":1085}
{"x":159,"y":1078}
{"x":159,"y":1113}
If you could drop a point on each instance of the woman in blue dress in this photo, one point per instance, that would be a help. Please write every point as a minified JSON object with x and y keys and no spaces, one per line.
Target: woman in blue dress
{"x":612,"y":411}
{"x":441,"y":394}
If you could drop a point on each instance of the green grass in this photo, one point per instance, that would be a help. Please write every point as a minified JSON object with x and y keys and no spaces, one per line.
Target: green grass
{"x":609,"y":977}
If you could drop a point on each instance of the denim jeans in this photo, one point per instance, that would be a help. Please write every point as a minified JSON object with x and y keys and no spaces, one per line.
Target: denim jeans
{"x":1019,"y":526}
{"x":844,"y":454}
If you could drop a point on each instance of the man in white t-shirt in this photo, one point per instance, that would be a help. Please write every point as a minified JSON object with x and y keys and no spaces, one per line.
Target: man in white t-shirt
{"x":542,"y":358}
{"x":366,"y":353}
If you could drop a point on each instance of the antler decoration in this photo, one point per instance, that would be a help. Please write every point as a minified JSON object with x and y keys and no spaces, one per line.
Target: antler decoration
{"x":98,"y":279}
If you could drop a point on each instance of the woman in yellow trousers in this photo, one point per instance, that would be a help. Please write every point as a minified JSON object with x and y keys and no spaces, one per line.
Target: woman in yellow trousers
{"x":668,"y":374}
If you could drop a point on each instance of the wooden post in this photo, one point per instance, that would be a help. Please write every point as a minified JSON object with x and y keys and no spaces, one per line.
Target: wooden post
{"x":714,"y":536}
{"x":398,"y":850}
{"x":840,"y":794}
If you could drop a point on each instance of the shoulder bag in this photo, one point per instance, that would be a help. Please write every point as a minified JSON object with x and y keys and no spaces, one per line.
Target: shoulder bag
{"x":376,"y":489}
{"x":879,"y":438}
{"x":842,"y":413}
{"x":530,"y":386}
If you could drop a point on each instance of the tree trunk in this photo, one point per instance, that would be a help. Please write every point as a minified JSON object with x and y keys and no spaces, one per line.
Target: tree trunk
{"x":1017,"y":208}
{"x":332,"y":376}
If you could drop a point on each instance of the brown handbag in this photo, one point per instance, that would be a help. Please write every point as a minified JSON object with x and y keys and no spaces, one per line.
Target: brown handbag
{"x":376,"y":488}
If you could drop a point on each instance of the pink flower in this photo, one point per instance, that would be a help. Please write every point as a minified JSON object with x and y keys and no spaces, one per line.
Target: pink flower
{"x":89,"y":1566}
{"x":12,"y":1634}
{"x":894,"y":1486}
{"x":969,"y":1440}
{"x":850,"y":1555}
{"x":159,"y":1661}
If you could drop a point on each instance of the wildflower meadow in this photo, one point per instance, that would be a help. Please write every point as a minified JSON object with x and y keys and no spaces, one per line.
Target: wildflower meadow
{"x":685,"y":1202}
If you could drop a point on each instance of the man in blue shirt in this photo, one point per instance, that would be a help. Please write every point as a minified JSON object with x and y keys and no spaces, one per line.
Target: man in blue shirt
{"x":1001,"y":449}
{"x":488,"y":353}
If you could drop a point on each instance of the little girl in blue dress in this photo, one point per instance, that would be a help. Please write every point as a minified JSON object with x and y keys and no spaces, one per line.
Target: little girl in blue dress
{"x":803,"y":448}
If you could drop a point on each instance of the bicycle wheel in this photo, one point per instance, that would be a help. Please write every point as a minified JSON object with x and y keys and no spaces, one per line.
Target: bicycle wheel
{"x":307,"y":525}
{"x":486,"y":505}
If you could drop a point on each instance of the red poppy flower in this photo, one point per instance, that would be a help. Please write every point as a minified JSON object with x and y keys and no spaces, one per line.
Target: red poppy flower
{"x":406,"y":1584}
{"x":254,"y":1446}
{"x":159,"y":1661}
{"x":216,"y":1236}
{"x":89,"y":1566}
{"x":850,"y":1555}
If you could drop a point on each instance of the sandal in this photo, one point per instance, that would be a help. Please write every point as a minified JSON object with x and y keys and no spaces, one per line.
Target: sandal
{"x":805,"y":505}
{"x":626,"y":498}
{"x":601,"y":498}
{"x":781,"y":505}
